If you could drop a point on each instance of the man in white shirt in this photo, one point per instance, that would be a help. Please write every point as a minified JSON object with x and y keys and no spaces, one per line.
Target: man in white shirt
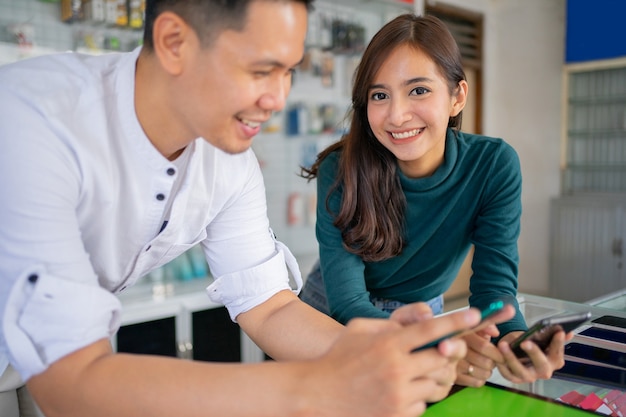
{"x":114,"y":165}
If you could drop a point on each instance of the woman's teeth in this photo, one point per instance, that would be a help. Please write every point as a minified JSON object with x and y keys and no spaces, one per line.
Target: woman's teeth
{"x":408,"y":134}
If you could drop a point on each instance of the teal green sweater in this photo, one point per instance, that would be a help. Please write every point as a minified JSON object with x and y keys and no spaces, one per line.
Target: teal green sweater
{"x":474,"y":197}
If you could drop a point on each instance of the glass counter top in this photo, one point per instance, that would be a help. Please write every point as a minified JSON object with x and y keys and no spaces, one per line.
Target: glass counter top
{"x":614,"y":301}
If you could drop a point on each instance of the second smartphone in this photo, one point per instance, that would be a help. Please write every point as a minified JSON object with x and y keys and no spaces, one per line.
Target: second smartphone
{"x":542,"y":331}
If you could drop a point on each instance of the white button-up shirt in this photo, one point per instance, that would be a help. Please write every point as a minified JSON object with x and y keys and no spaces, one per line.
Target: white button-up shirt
{"x":84,"y":195}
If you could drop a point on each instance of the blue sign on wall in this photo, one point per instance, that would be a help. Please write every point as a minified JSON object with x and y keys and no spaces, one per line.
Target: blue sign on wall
{"x":595,"y":30}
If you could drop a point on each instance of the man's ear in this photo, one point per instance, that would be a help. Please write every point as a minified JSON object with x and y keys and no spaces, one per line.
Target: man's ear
{"x":459,"y":98}
{"x":170,"y":35}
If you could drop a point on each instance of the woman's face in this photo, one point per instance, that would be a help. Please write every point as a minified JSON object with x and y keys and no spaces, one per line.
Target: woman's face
{"x":408,"y":107}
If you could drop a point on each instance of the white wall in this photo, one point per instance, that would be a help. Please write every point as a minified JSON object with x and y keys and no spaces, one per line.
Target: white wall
{"x":523,"y":61}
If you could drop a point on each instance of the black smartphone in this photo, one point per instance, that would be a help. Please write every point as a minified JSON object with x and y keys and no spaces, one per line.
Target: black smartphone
{"x":485,"y":319}
{"x":542,"y":331}
{"x":604,"y":334}
{"x":611,"y":321}
{"x":596,"y":354}
{"x":602,"y":376}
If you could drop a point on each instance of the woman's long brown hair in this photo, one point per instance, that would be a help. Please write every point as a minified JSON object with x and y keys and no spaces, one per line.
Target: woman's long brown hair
{"x":371,"y":215}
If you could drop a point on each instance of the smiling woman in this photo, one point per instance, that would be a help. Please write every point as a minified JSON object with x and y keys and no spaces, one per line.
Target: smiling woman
{"x":405,"y":193}
{"x":409,"y":115}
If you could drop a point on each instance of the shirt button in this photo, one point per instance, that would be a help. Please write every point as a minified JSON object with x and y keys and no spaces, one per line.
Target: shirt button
{"x":160,"y":197}
{"x":171,"y":171}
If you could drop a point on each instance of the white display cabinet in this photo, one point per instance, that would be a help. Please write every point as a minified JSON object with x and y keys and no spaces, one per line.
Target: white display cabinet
{"x":178,"y":319}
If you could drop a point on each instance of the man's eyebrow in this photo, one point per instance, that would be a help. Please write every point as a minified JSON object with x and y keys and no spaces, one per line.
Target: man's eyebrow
{"x":276,"y":64}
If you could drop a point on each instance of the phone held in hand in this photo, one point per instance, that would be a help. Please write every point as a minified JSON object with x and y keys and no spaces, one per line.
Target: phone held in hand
{"x":486,"y":318}
{"x":542,"y":331}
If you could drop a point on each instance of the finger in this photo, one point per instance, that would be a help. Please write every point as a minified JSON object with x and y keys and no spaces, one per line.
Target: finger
{"x":444,"y":375}
{"x":412,"y":313}
{"x":489,"y":332}
{"x":538,"y":365}
{"x":483,"y":347}
{"x":432,"y":392}
{"x":555,"y":354}
{"x":507,"y":374}
{"x":544,"y":363}
{"x":416,"y":335}
{"x":541,"y":360}
{"x":518,"y":369}
{"x":506,"y":313}
{"x":470,"y":375}
{"x":429,"y":361}
{"x":482,"y":364}
{"x":453,"y":349}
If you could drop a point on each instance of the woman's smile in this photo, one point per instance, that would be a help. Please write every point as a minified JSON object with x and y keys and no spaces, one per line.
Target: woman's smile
{"x":409,"y":134}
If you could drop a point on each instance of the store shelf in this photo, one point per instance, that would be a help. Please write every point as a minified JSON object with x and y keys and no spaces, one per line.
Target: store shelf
{"x":11,"y":52}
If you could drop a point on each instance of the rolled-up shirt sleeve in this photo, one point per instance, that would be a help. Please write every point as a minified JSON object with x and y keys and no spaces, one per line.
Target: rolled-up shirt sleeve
{"x":47,"y":317}
{"x":248,"y":261}
{"x":242,"y":290}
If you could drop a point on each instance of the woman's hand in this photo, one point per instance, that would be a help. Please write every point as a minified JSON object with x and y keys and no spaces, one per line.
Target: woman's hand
{"x":481,"y":358}
{"x":541,"y":365}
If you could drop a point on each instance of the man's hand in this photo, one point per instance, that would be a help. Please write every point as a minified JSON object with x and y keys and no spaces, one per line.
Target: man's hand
{"x":371,"y":370}
{"x":445,"y":376}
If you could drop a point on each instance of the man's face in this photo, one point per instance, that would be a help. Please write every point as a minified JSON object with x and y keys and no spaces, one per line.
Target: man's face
{"x":236,"y":83}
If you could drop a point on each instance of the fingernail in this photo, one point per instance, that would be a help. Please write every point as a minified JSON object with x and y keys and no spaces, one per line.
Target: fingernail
{"x":471,"y":315}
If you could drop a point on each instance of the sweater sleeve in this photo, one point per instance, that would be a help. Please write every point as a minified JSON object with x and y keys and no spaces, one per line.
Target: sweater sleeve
{"x":342,"y":271}
{"x":497,"y":228}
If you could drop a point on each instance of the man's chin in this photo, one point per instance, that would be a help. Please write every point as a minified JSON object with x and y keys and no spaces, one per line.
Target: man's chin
{"x":233,"y":148}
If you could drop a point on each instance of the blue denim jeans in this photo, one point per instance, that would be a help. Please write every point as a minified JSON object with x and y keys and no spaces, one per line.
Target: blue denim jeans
{"x":314,"y":294}
{"x":436,"y":304}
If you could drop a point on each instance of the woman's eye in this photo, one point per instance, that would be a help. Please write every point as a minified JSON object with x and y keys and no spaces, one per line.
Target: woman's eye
{"x":379,"y":96}
{"x":419,"y":91}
